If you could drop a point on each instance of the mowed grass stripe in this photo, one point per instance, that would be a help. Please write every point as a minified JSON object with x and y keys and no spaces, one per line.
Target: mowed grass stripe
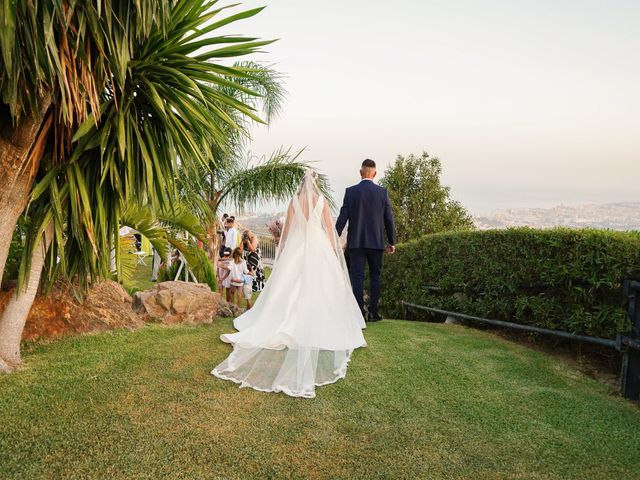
{"x":421,"y":401}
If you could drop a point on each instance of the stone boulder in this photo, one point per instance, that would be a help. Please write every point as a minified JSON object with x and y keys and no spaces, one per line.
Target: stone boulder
{"x":228,"y":310}
{"x":177,"y":302}
{"x":105,"y":306}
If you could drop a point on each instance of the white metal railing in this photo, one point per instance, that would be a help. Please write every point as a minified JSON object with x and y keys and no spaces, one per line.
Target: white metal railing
{"x":267,"y":246}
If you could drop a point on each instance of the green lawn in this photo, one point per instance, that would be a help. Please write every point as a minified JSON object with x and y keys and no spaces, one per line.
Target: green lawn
{"x":142,"y":277}
{"x":422,"y":401}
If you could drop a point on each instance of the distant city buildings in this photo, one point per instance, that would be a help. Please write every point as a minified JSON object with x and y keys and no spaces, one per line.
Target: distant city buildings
{"x":614,"y":216}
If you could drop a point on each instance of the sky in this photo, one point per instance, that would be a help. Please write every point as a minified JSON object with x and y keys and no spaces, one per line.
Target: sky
{"x":526,"y":103}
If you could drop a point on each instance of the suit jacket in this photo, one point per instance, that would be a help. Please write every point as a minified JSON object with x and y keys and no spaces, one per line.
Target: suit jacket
{"x":367,"y":208}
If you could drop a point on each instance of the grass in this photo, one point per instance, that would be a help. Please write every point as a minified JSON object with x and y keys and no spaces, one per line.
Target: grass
{"x":422,"y":401}
{"x":141,"y":279}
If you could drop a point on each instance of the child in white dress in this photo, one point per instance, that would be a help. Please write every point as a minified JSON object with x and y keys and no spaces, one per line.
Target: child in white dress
{"x":223,"y":270}
{"x":237,"y":268}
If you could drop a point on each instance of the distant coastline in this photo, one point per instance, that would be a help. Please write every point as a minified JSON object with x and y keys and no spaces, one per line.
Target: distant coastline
{"x":613,"y":216}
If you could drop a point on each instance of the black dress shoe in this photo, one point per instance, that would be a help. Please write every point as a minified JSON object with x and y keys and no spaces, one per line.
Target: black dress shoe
{"x":375,"y":318}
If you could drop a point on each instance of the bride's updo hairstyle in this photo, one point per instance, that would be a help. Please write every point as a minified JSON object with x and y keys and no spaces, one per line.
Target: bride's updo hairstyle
{"x":308,"y":184}
{"x":310,"y":175}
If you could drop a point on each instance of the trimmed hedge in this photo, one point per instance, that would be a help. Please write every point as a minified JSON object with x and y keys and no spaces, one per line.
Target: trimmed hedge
{"x":566,"y":279}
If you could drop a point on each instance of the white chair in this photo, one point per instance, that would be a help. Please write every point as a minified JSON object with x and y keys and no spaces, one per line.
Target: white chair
{"x":141,"y":256}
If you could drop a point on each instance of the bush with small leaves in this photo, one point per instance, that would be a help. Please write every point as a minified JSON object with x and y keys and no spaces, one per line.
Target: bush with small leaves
{"x":565,"y":279}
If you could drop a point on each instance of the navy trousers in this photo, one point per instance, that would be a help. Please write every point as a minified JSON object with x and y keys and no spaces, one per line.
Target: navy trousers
{"x":358,"y":258}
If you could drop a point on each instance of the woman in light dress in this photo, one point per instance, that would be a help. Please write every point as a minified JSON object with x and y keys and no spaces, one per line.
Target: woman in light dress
{"x":305,"y":325}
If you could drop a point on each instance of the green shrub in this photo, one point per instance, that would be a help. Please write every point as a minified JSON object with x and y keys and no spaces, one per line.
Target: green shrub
{"x":565,"y":279}
{"x":12,"y":265}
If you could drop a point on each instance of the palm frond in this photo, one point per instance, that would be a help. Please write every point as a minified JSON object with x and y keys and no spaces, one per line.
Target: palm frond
{"x":267,"y":82}
{"x":143,"y":220}
{"x":274,"y":179}
{"x":181,"y":219}
{"x":197,"y":260}
{"x":162,"y":105}
{"x":127,"y":264}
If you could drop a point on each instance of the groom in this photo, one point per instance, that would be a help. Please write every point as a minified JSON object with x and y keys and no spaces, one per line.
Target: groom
{"x":367,"y":208}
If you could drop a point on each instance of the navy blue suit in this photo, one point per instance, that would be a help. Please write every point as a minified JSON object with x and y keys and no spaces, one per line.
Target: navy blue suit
{"x":367,"y":208}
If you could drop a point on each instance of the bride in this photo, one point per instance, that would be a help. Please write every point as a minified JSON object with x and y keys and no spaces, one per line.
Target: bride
{"x":306,"y":322}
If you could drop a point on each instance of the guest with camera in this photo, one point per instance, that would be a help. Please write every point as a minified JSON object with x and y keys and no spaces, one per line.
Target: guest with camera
{"x":252,"y":255}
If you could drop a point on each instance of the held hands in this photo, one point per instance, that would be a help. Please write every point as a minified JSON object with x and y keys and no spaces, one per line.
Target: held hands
{"x":391,"y":249}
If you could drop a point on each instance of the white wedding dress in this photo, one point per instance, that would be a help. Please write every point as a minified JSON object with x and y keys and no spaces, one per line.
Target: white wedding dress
{"x":306,"y":322}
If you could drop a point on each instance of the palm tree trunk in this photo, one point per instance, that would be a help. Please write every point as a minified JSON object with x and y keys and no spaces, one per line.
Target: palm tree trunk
{"x":14,"y":316}
{"x":213,"y":239}
{"x":21,"y":148}
{"x":213,"y":244}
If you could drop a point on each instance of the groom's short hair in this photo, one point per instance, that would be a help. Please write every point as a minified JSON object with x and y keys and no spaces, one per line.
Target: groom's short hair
{"x":368,"y":163}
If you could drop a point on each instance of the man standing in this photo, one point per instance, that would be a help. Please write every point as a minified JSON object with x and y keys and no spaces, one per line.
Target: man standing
{"x":222,"y":231}
{"x":367,"y":208}
{"x":231,"y":234}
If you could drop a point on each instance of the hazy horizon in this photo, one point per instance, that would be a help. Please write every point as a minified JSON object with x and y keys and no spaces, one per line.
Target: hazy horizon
{"x":527,"y":104}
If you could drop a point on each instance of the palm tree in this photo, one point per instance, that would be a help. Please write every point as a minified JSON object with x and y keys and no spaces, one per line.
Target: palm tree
{"x":53,"y":67}
{"x":102,"y":101}
{"x":243,"y":184}
{"x":231,"y":178}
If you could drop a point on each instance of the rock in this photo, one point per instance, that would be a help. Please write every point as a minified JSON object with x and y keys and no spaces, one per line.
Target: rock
{"x":105,"y":306}
{"x":181,"y":304}
{"x":177,"y":302}
{"x":163,"y":299}
{"x":228,"y":310}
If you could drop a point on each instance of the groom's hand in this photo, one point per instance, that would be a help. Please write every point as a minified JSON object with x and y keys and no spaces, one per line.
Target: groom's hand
{"x":391,"y":249}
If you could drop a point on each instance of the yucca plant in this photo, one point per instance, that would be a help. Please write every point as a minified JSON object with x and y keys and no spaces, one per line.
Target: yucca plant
{"x":243,"y":184}
{"x":233,"y":179}
{"x":105,"y":100}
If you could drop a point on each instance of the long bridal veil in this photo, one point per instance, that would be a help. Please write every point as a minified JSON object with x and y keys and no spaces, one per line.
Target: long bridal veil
{"x":306,"y":323}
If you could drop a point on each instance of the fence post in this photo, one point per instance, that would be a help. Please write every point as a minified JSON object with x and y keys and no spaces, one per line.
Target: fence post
{"x":630,"y":378}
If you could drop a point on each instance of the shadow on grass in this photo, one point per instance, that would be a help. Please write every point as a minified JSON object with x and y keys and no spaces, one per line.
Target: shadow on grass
{"x":422,"y":401}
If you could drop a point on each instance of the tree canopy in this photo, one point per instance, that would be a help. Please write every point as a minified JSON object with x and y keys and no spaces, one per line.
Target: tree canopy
{"x":420,"y":203}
